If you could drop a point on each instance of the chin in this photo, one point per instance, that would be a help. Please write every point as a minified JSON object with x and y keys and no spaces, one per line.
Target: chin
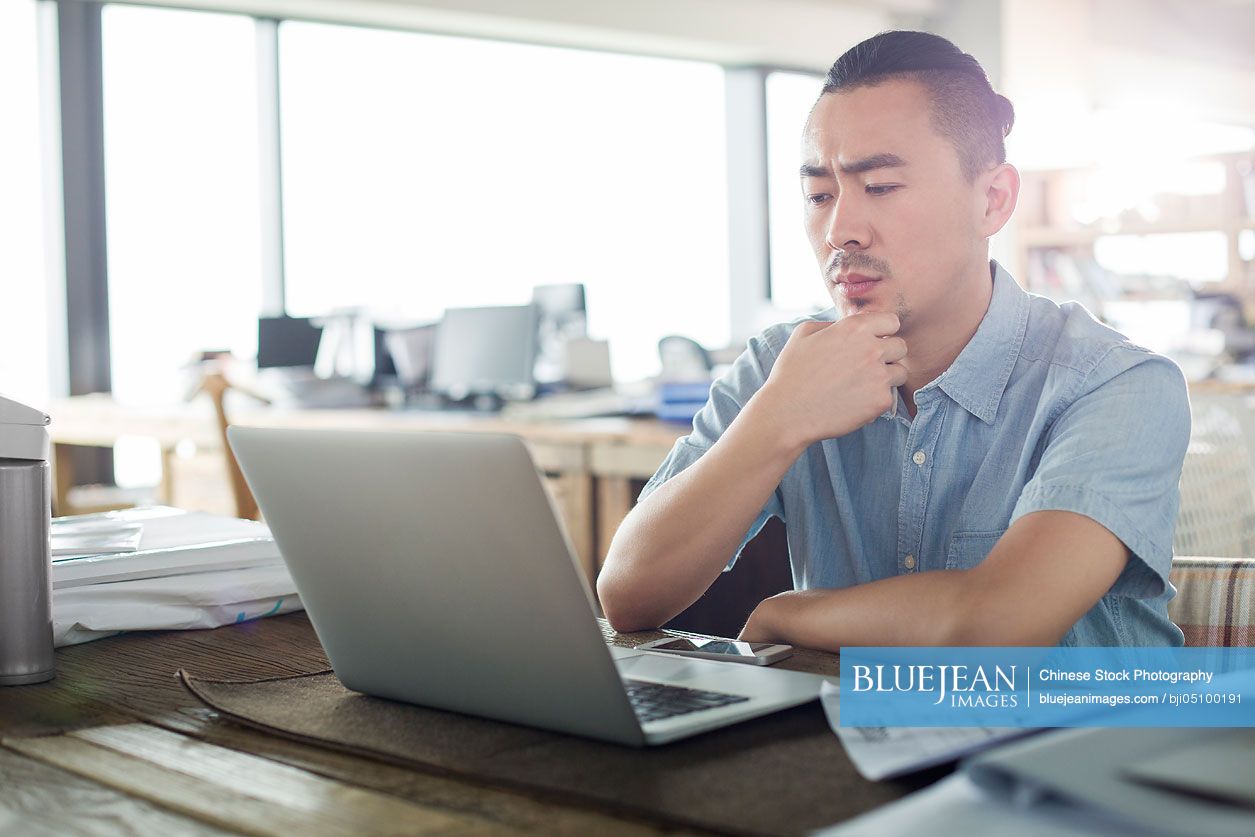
{"x":855,"y":306}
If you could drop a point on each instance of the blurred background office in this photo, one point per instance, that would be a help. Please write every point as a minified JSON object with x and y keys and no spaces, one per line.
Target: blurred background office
{"x":340,"y":189}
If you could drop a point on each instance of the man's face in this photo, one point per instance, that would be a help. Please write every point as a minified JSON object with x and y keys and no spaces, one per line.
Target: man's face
{"x":887,"y":202}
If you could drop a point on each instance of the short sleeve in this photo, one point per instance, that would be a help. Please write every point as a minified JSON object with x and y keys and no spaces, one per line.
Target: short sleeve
{"x":728,"y":395}
{"x":1115,"y":455}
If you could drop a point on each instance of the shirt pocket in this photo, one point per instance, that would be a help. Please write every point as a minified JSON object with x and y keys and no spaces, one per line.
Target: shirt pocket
{"x":967,"y":549}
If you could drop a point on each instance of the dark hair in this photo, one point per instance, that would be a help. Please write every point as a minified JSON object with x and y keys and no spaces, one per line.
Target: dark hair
{"x":966,"y":110}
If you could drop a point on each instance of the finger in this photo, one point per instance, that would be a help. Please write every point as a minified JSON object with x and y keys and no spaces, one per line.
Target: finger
{"x":897,"y":374}
{"x":892,"y":349}
{"x":879,"y":323}
{"x":808,"y":327}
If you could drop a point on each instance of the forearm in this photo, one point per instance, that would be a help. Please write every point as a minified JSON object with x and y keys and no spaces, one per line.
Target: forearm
{"x":934,"y":608}
{"x":920,"y":609}
{"x":673,"y":545}
{"x":1045,"y":573}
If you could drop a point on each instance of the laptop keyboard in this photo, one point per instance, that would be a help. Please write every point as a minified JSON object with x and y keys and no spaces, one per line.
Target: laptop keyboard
{"x":655,"y":701}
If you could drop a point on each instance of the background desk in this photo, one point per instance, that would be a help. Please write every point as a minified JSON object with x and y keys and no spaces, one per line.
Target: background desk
{"x":116,"y":740}
{"x":590,"y":464}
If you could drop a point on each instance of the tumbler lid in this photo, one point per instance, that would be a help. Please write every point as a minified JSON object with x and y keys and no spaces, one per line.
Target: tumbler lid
{"x":23,"y":431}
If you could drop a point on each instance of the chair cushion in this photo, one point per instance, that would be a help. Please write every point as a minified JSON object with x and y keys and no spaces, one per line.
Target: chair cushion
{"x":1215,"y":602}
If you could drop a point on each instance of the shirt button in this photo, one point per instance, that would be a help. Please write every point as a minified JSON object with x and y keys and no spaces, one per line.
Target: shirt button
{"x":919,"y":457}
{"x":909,"y":562}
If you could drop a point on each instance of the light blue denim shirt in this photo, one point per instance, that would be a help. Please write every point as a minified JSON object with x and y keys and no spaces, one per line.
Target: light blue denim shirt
{"x":1045,"y":408}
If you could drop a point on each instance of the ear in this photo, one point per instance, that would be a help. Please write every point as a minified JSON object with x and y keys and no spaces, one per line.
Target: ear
{"x":1001,"y":189}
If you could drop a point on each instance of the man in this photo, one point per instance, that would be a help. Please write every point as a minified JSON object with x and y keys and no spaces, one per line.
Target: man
{"x":957,"y":462}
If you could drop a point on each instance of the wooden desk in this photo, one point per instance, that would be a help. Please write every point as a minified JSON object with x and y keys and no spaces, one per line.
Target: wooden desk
{"x":589,"y":463}
{"x":116,"y":736}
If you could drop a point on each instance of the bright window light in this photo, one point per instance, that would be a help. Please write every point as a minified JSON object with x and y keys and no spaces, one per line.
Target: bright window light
{"x":796,"y":281}
{"x":1116,"y":190}
{"x":1194,"y":257}
{"x":1061,"y":132}
{"x":424,"y":172}
{"x":1161,"y":325}
{"x":181,"y":167}
{"x":1152,"y":135}
{"x":1246,"y":245}
{"x":24,"y":372}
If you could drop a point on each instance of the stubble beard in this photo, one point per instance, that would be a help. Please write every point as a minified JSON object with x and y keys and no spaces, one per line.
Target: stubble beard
{"x":900,"y":307}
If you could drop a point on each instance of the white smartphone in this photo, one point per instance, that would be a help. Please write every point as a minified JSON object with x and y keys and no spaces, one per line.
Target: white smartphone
{"x":753,"y":653}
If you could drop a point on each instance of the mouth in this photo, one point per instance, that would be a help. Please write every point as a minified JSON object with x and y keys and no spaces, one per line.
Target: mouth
{"x":855,"y":285}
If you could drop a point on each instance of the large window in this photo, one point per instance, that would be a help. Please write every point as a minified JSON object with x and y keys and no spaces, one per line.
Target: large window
{"x":422,"y":172}
{"x":181,"y":172}
{"x":796,"y":281}
{"x":24,"y":372}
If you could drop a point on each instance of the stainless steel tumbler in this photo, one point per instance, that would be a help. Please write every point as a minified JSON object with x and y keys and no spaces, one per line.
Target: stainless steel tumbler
{"x":25,"y":550}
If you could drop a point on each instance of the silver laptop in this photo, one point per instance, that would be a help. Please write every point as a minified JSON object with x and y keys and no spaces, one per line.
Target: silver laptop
{"x":435,"y":571}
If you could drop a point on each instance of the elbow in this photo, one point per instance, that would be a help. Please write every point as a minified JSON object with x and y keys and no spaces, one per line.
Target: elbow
{"x":975,"y":627}
{"x":619,"y":605}
{"x":624,"y":600}
{"x":967,"y":627}
{"x":626,"y":623}
{"x":621,"y":611}
{"x":611,"y":603}
{"x":968,"y":632}
{"x":981,"y":612}
{"x":626,"y":620}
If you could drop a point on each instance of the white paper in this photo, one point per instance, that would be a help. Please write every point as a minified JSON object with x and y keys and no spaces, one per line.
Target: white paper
{"x":156,"y":563}
{"x":166,"y":527}
{"x":181,"y":602}
{"x":883,"y":752}
{"x":192,"y":571}
{"x":72,"y":538}
{"x":173,"y":542}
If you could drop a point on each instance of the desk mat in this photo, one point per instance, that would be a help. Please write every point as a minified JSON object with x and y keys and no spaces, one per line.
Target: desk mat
{"x":783,"y":773}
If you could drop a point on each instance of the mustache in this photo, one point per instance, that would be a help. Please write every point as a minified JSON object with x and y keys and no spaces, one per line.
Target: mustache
{"x":855,"y":261}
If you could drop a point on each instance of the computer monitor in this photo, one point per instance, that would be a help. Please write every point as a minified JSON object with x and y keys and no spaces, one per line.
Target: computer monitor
{"x":408,"y":352}
{"x":562,"y":318}
{"x":286,"y":341}
{"x":561,"y":307}
{"x":385,"y":365}
{"x":486,"y":351}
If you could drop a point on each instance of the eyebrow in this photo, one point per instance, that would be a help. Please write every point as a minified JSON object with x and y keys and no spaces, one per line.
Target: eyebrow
{"x":875,"y":161}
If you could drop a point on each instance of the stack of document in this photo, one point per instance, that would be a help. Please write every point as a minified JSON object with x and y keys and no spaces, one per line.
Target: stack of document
{"x":93,"y":535}
{"x":161,"y":568}
{"x":886,"y":752}
{"x":162,"y":541}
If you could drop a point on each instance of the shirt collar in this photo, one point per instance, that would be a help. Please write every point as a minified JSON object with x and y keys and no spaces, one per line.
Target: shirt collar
{"x":979,"y":375}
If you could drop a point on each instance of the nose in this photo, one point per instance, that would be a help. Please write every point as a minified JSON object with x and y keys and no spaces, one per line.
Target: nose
{"x":847,"y":226}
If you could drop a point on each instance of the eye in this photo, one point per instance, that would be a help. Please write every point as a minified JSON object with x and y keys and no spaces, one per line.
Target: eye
{"x":815,"y":200}
{"x":881,"y":189}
